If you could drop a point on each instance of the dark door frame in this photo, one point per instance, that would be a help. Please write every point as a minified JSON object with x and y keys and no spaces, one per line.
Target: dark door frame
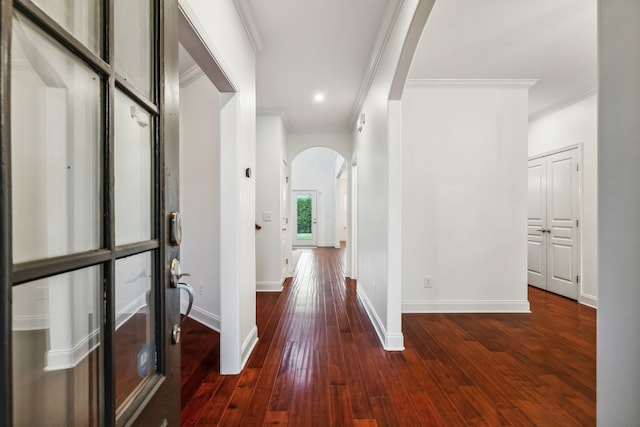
{"x":158,"y":399}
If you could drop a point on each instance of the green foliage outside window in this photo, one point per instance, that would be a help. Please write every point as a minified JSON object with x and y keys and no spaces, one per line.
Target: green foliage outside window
{"x":304,"y":215}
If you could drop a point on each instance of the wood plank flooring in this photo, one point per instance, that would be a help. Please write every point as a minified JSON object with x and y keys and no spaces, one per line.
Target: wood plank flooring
{"x":319,"y":363}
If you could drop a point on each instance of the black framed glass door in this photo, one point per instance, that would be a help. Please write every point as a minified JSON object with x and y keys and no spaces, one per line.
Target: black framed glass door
{"x":89,"y":179}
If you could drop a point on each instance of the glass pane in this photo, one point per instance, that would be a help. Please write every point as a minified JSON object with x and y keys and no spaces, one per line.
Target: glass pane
{"x":55,"y":151}
{"x":132,"y":171}
{"x":56,"y":340}
{"x":82,"y":18}
{"x":134,"y":343}
{"x":133,"y":44}
{"x":304,"y":228}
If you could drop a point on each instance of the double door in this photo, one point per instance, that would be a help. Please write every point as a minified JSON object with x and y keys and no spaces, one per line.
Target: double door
{"x":553,"y":222}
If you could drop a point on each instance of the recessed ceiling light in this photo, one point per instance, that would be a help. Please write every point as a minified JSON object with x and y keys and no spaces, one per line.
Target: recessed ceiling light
{"x":318,"y":97}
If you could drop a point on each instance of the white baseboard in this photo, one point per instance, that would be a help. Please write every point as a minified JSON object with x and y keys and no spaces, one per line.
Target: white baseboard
{"x":462,"y":306}
{"x":390,"y":342}
{"x":68,"y":358}
{"x":248,"y":345}
{"x":589,"y":300}
{"x":208,"y":319}
{"x":130,"y":310}
{"x":30,"y":323}
{"x":268,"y":286}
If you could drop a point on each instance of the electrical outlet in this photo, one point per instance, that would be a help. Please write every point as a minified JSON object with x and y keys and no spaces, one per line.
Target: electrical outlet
{"x":428,"y":282}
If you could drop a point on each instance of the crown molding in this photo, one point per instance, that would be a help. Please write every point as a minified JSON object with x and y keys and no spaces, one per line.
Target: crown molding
{"x":391,"y":16}
{"x":471,"y":83}
{"x":266,"y":112}
{"x":563,"y":104}
{"x":249,"y":23}
{"x":191,"y":75}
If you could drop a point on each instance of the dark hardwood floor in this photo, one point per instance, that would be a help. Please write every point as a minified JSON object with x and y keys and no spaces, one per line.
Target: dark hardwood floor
{"x":319,"y":363}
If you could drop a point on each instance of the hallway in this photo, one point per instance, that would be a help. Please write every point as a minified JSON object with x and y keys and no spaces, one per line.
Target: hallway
{"x":319,"y":362}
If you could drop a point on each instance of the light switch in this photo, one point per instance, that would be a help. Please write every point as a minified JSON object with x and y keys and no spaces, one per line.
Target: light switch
{"x":266,"y":216}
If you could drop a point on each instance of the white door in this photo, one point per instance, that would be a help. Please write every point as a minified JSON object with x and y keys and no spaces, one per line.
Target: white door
{"x":304,"y":213}
{"x":284,"y":220}
{"x":536,"y":225}
{"x":553,"y":223}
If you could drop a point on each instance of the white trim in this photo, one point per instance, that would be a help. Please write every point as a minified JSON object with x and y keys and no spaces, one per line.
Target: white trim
{"x":577,"y":145}
{"x":466,"y":306}
{"x":269,"y":286}
{"x":191,"y":75}
{"x":588,"y":300}
{"x":70,"y":357}
{"x":249,"y":23}
{"x":130,"y":310}
{"x":390,"y":342}
{"x":248,"y":345}
{"x":327,"y":245}
{"x":471,"y":83}
{"x":30,"y":323}
{"x":197,"y":38}
{"x":563,"y":104}
{"x":210,"y":320}
{"x":390,"y":18}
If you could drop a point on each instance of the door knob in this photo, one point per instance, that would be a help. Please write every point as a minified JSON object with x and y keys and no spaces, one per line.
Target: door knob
{"x":176,"y":273}
{"x":177,"y":328}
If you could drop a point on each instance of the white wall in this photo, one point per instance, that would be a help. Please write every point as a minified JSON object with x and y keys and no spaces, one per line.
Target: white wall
{"x":378,"y":285}
{"x":223,"y":33}
{"x":270,"y":154}
{"x":314,"y":169}
{"x":618,"y":391}
{"x":298,"y":142}
{"x":200,"y":196}
{"x":577,"y":123}
{"x":464,"y":163}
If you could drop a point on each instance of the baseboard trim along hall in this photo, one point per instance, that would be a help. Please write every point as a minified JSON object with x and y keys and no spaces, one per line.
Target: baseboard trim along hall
{"x":461,"y":306}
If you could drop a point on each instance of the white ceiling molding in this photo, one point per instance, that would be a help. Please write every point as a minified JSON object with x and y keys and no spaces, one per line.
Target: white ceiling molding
{"x":416,"y":28}
{"x":393,"y":9}
{"x":470,"y":83}
{"x":249,"y":23}
{"x":563,"y":104}
{"x":277,"y":113}
{"x":191,"y":75}
{"x":196,"y":42}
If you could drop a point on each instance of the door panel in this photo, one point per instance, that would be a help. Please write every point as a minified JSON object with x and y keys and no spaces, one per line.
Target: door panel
{"x":86,"y":197}
{"x":537,"y":204}
{"x":284,"y":219}
{"x":553,"y":251}
{"x":562,"y":212}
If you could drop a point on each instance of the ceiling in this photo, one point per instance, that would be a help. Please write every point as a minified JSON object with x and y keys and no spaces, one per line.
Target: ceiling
{"x":329,"y":46}
{"x":551,"y":40}
{"x":315,"y":46}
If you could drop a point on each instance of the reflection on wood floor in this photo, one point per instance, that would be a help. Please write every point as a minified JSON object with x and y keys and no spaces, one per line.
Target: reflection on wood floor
{"x":319,"y":362}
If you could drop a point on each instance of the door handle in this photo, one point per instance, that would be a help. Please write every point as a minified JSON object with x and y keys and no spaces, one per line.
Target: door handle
{"x":175,"y":272}
{"x":177,"y":328}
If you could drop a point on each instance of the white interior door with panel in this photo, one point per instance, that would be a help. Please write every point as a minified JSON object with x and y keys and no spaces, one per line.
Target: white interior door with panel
{"x":553,"y":221}
{"x":537,"y":207}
